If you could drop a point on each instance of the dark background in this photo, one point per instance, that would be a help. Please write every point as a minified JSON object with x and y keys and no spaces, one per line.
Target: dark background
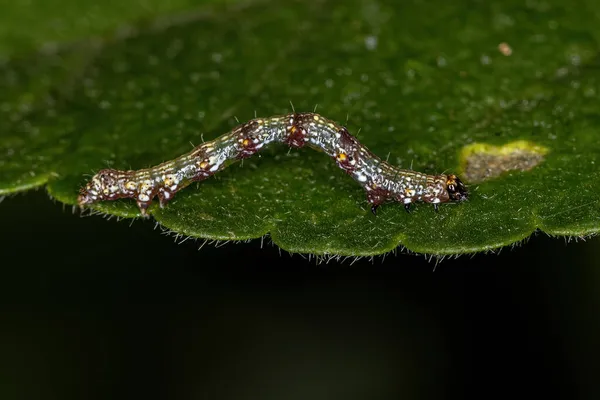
{"x":95,"y":308}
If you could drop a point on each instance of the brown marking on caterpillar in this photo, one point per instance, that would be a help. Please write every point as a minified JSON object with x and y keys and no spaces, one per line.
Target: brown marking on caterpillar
{"x":382,"y":181}
{"x":436,"y":192}
{"x":296,"y":131}
{"x":248,"y":143}
{"x":347,"y":156}
{"x":203,"y":168}
{"x":376,"y":197}
{"x":164,"y":195}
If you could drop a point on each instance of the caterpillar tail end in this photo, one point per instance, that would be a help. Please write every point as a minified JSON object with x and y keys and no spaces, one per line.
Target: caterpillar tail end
{"x":103,"y":186}
{"x":87,"y":195}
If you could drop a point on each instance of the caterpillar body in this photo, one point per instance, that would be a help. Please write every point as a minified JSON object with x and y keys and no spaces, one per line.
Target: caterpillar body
{"x":382,"y":181}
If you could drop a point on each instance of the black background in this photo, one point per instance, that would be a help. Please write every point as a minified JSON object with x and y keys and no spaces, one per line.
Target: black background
{"x":96,"y":308}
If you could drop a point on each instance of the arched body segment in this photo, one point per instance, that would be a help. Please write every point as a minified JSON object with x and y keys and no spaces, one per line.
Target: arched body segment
{"x":382,"y":181}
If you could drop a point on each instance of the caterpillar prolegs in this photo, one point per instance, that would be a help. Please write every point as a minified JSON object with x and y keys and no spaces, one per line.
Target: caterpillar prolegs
{"x":381,"y":181}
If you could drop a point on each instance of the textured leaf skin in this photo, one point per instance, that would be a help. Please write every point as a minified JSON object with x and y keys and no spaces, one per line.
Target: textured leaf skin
{"x":47,"y":24}
{"x":420,"y":80}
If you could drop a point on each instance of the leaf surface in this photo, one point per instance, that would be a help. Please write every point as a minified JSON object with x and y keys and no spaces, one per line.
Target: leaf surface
{"x":418,"y":82}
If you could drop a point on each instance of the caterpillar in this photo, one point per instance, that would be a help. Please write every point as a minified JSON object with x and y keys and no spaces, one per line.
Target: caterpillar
{"x":382,"y":181}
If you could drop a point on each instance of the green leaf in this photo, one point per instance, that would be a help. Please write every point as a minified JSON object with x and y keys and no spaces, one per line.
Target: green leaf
{"x":432,"y":85}
{"x":30,"y":24}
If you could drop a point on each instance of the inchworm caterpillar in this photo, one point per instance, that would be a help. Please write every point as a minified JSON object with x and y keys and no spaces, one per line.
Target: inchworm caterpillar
{"x":382,"y":181}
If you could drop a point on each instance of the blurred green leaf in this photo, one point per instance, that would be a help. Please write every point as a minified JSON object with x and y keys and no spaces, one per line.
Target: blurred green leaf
{"x":32,"y":24}
{"x":420,"y":80}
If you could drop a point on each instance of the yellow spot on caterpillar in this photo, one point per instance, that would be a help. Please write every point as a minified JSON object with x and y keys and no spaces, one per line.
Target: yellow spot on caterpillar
{"x":246,"y":142}
{"x":202,"y":165}
{"x":130,"y":185}
{"x":481,"y":161}
{"x":293,"y":129}
{"x":342,"y":157}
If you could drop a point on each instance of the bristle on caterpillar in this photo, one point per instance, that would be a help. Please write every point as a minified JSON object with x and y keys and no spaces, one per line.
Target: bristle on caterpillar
{"x":382,"y":182}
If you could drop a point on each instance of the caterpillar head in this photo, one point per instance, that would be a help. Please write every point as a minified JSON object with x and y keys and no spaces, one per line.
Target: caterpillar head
{"x":103,"y":186}
{"x":457,"y":191}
